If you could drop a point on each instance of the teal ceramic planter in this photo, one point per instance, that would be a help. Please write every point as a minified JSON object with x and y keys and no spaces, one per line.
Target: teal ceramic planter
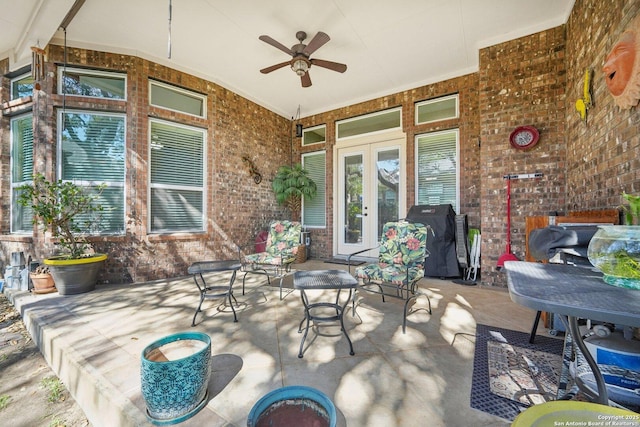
{"x":175,"y":374}
{"x":293,"y":405}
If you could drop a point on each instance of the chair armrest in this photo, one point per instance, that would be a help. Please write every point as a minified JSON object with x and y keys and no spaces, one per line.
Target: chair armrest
{"x":359,"y":252}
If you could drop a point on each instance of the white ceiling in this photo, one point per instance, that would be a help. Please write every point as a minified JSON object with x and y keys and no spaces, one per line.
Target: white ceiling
{"x":388,"y":46}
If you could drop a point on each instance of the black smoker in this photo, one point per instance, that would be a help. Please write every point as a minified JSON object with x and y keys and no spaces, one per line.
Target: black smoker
{"x":441,"y":248}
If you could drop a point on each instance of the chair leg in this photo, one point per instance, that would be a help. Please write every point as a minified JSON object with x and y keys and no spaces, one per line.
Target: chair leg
{"x":230,"y":295}
{"x":532,"y":337}
{"x":193,"y":322}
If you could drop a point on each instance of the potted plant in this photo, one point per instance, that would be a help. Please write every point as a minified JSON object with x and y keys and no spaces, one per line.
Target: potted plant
{"x":68,"y":212}
{"x":615,"y":250}
{"x":42,"y":280}
{"x":291,"y":185}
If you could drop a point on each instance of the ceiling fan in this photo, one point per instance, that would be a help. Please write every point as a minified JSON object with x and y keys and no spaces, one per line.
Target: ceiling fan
{"x":300,"y":53}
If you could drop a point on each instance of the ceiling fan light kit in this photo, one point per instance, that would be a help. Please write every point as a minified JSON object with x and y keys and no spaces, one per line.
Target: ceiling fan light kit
{"x":300,"y":67}
{"x":301,"y":59}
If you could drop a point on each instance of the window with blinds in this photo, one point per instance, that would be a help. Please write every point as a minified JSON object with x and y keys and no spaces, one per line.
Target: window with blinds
{"x":21,"y":171}
{"x":314,"y":211}
{"x":92,"y":152}
{"x":437,"y":172}
{"x":177,"y":181}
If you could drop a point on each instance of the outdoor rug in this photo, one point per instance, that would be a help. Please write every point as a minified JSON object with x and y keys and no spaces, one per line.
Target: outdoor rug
{"x":509,"y":374}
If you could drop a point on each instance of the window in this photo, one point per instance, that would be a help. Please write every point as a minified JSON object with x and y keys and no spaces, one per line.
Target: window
{"x":314,"y":211}
{"x":438,"y":109}
{"x":22,"y":86}
{"x":314,"y":135}
{"x":176,"y":99}
{"x":437,"y":174}
{"x":375,"y":122}
{"x":177,"y":178}
{"x":92,"y":152}
{"x":21,"y":171}
{"x":97,"y":84}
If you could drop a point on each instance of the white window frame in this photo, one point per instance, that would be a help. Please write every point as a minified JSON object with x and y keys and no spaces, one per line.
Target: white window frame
{"x":14,"y":185}
{"x":456,"y":131}
{"x":202,"y":97}
{"x":312,"y":129}
{"x":365,"y":117}
{"x":203,"y":189}
{"x":18,"y":78}
{"x":87,"y":72}
{"x":93,"y":183}
{"x":435,"y":101}
{"x":321,"y":190}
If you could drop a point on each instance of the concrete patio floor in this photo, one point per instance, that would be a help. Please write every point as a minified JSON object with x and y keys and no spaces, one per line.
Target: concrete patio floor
{"x":94,"y":341}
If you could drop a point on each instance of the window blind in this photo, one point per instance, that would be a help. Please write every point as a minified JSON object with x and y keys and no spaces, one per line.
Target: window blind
{"x":21,"y":171}
{"x":437,"y":168}
{"x":314,"y":211}
{"x":177,"y":178}
{"x":93,"y":151}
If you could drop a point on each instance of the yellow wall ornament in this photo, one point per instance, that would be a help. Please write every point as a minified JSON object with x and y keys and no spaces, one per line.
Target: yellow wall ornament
{"x":583,"y":104}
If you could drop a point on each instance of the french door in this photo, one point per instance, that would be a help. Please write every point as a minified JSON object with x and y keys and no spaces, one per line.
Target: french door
{"x":370,"y":193}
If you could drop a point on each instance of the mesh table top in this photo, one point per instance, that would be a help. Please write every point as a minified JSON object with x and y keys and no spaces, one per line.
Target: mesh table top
{"x":571,"y":291}
{"x":324,"y":279}
{"x":213,"y":266}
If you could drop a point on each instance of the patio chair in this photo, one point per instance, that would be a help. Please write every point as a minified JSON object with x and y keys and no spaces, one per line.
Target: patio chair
{"x":281,"y":248}
{"x":402,"y":253}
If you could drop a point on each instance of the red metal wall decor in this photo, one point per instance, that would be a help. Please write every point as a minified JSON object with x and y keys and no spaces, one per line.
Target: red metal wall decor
{"x":622,"y":67}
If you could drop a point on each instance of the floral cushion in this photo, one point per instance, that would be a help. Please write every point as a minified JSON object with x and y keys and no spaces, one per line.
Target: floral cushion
{"x":402,"y":254}
{"x":282,"y":244}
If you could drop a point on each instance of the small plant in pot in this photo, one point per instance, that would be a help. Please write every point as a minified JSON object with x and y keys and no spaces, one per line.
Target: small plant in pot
{"x":68,"y":211}
{"x":291,"y":185}
{"x":42,"y":280}
{"x":615,"y":250}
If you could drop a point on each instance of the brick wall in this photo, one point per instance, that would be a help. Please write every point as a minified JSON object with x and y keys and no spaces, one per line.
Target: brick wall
{"x":522,"y":82}
{"x":237,"y":208}
{"x":603,"y":155}
{"x":532,"y":80}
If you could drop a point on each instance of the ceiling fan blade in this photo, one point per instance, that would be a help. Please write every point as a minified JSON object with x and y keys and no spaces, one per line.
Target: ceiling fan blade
{"x":276,"y":44}
{"x":335,"y":66}
{"x":316,"y":42}
{"x":274,"y":67}
{"x":305,"y":79}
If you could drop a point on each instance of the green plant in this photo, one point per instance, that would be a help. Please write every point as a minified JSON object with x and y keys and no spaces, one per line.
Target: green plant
{"x":57,"y":422}
{"x":4,"y":401}
{"x":292,"y":184}
{"x":55,"y":388}
{"x":66,"y":209}
{"x":631,"y":211}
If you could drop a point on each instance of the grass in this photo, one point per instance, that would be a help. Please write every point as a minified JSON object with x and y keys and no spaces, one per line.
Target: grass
{"x":4,"y":401}
{"x":55,"y":388}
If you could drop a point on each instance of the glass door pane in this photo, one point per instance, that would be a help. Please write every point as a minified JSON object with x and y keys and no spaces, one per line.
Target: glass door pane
{"x":353,"y":197}
{"x":388,"y":172}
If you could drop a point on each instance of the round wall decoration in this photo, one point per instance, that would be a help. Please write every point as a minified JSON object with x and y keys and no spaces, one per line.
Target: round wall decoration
{"x":524,"y":137}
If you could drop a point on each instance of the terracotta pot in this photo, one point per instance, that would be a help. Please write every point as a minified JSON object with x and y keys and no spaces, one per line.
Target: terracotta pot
{"x":42,"y":283}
